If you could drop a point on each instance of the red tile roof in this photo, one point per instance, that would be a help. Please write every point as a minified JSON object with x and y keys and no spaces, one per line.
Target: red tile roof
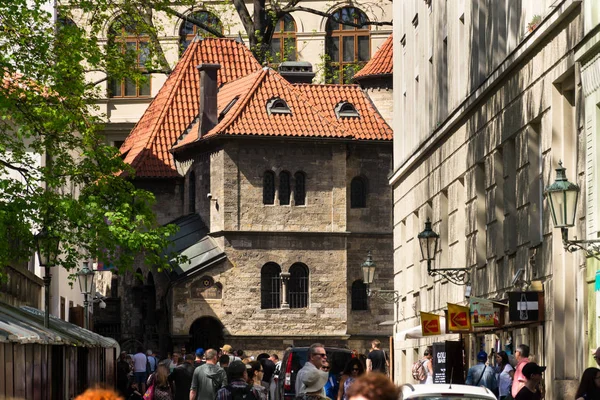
{"x":175,"y":107}
{"x":382,"y":62}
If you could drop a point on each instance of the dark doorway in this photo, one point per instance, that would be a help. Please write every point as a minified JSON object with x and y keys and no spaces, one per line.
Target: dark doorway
{"x":206,"y":332}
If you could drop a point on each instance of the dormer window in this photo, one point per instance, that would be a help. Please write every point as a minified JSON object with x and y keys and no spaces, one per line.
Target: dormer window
{"x":277,"y":106}
{"x":345,"y":110}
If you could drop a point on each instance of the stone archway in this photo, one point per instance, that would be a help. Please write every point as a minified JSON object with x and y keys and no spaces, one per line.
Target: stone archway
{"x":207,"y":333}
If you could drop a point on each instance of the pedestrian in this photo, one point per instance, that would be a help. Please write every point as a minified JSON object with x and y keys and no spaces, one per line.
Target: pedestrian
{"x":208,"y":378}
{"x":353,"y":369}
{"x":597,"y":356}
{"x":255,"y":376}
{"x":199,"y":354}
{"x":533,"y":376}
{"x":181,"y":378}
{"x":313,"y":381}
{"x":505,"y":373}
{"x":140,"y":362}
{"x":174,"y":361}
{"x":123,"y":369}
{"x":228,"y":350}
{"x":273,"y":384}
{"x":238,"y":386}
{"x":268,"y":368}
{"x":377,"y":361}
{"x":522,"y":357}
{"x":160,"y":380}
{"x":373,"y":387}
{"x":427,"y":362}
{"x":332,"y":385}
{"x":152,"y":361}
{"x":316,"y":355}
{"x":589,"y":387}
{"x":482,"y":374}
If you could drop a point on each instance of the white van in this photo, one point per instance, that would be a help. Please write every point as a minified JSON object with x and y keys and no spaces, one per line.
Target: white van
{"x":445,"y":392}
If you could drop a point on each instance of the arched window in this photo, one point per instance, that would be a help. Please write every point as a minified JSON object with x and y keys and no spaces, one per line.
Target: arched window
{"x":269,"y":187}
{"x":359,"y":296}
{"x":299,"y":188}
{"x":283,"y":43}
{"x":348,"y":47}
{"x":189,"y":30}
{"x":298,"y":286}
{"x":284,"y":188}
{"x":127,"y":39}
{"x":270,"y":286}
{"x":192,"y":193}
{"x":358,"y":193}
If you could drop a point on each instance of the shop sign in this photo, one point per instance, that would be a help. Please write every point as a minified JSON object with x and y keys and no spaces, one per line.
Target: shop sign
{"x":525,"y":306}
{"x":459,"y":319}
{"x":430,"y":324}
{"x":483,"y":313}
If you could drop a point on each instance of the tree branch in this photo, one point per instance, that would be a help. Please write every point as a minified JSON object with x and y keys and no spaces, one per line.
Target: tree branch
{"x":195,"y":21}
{"x":332,"y":17}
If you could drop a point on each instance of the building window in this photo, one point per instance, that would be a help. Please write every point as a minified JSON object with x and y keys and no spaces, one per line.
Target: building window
{"x":358,"y":193}
{"x":134,"y":44}
{"x":359,"y":296}
{"x":283,"y":43}
{"x":192,"y":192}
{"x":298,"y":286}
{"x":269,"y":187}
{"x":284,"y":188}
{"x":277,"y":106}
{"x":299,"y":188}
{"x":189,"y":30}
{"x":348,"y":48}
{"x":345,"y":110}
{"x":270,"y":286}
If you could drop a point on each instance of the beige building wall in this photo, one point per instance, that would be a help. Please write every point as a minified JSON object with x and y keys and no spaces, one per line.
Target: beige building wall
{"x":483,"y":117}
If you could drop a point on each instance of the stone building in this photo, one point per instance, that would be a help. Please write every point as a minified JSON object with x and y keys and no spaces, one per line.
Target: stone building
{"x":502,"y":88}
{"x":279,"y":190}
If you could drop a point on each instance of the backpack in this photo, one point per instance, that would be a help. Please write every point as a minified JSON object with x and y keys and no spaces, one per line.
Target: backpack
{"x":241,"y":393}
{"x":418,"y":370}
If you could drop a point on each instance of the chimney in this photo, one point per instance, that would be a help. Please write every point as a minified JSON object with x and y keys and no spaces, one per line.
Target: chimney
{"x":207,"y":112}
{"x":296,"y":71}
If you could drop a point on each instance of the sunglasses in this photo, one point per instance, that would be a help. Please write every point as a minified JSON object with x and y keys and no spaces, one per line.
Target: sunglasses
{"x":324,"y":367}
{"x":320,"y":354}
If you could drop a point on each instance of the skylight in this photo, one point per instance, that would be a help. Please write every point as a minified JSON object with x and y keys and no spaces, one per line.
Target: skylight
{"x":345,"y":109}
{"x":277,"y":106}
{"x":228,"y":107}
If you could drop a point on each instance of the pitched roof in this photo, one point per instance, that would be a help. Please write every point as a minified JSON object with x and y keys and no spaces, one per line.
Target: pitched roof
{"x":176,"y":105}
{"x":382,"y":62}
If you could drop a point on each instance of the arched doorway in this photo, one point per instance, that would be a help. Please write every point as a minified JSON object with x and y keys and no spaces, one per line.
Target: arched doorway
{"x":206,"y":332}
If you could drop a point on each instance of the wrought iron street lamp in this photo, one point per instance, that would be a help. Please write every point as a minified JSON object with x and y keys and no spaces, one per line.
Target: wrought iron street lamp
{"x":429,"y":242}
{"x":368,"y":268}
{"x":85,"y":276}
{"x":48,"y":246}
{"x":563,"y":196}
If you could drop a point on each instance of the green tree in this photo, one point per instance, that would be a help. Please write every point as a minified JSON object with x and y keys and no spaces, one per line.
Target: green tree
{"x":55,"y":170}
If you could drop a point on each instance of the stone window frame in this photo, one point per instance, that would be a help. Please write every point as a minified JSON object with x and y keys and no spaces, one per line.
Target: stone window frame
{"x":359,"y":298}
{"x":269,"y":188}
{"x":270,"y":286}
{"x":298,"y":285}
{"x":358,"y":192}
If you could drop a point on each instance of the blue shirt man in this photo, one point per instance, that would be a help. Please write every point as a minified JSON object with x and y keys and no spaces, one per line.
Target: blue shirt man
{"x":482,"y":374}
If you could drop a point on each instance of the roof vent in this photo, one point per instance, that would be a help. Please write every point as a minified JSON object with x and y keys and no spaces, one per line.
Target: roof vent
{"x":296,"y":71}
{"x":277,"y":106}
{"x":345,"y":109}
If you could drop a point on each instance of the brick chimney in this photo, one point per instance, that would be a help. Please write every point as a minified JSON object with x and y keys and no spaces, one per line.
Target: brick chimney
{"x":207,"y":111}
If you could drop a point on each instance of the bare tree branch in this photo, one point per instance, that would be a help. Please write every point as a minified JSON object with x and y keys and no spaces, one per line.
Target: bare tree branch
{"x":333,"y":18}
{"x":195,"y":21}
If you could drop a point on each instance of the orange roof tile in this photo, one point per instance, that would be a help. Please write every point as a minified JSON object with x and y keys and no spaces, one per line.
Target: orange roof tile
{"x":312,"y":111}
{"x":382,"y":62}
{"x":175,"y":107}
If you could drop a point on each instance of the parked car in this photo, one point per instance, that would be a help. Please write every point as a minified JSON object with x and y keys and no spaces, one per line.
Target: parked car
{"x":294,"y":359}
{"x":445,"y":392}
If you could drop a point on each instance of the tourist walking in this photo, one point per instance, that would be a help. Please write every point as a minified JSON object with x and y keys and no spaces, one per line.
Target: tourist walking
{"x":353,"y":369}
{"x":313,"y":381}
{"x":255,"y":376}
{"x":123,"y":369}
{"x":533,"y":376}
{"x":208,"y":378}
{"x":522,"y":357}
{"x":238,"y":386}
{"x":140,"y":361}
{"x":377,"y":361}
{"x":482,"y":374}
{"x":316,"y":355}
{"x":332,"y":385}
{"x":589,"y":387}
{"x":181,"y":378}
{"x":427,"y":362}
{"x":505,"y":374}
{"x":160,"y":381}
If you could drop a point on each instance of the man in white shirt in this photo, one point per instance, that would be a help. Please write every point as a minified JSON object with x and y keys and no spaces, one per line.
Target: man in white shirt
{"x":316,"y":355}
{"x":139,"y":368}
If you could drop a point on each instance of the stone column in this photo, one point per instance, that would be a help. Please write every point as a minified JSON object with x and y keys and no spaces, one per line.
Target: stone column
{"x":285,"y":278}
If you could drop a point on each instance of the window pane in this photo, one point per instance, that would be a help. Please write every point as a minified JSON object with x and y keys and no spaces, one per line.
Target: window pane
{"x":349,"y":71}
{"x":143,"y":56}
{"x":145,"y":88}
{"x":115,"y":88}
{"x":334,"y":49}
{"x":290,"y":49}
{"x":130,"y":87}
{"x":288,"y":24}
{"x":276,"y":50}
{"x":347,"y":16}
{"x":363,"y":48}
{"x":348,"y":47}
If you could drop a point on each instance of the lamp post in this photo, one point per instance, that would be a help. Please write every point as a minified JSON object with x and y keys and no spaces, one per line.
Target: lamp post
{"x":85,"y":276}
{"x":563,"y":196}
{"x":47,"y":249}
{"x":428,"y":242}
{"x":368,"y":268}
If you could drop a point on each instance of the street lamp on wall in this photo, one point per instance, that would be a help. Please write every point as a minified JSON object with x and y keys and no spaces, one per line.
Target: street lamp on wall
{"x":368,"y":268}
{"x":48,"y":247}
{"x":85,"y":276}
{"x":563,"y":196}
{"x":429,"y":242}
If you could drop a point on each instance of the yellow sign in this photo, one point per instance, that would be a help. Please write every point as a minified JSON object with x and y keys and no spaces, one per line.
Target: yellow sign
{"x":459,"y":319}
{"x":430,"y":324}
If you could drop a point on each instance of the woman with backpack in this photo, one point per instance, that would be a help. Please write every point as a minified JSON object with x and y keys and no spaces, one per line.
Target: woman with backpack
{"x":158,"y":384}
{"x":422,"y":370}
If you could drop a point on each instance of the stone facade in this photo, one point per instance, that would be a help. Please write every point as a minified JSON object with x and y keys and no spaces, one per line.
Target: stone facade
{"x":504,"y":109}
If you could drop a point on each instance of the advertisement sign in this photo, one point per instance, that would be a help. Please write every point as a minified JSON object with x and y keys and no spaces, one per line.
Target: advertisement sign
{"x":439,"y":363}
{"x":448,"y":364}
{"x":458,"y":318}
{"x":430,"y":324}
{"x":483,"y":313}
{"x":525,"y":306}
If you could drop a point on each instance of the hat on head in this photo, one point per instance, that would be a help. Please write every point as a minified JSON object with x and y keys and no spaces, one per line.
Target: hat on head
{"x":314,"y":380}
{"x":532,"y":368}
{"x":227,"y":348}
{"x":482,"y":356}
{"x":199,"y":352}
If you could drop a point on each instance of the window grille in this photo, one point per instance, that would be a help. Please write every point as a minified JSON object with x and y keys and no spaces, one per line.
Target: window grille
{"x":270,"y":286}
{"x":298,"y":286}
{"x":359,"y":296}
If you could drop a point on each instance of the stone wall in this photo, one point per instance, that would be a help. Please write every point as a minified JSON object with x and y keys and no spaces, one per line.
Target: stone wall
{"x":381,"y":93}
